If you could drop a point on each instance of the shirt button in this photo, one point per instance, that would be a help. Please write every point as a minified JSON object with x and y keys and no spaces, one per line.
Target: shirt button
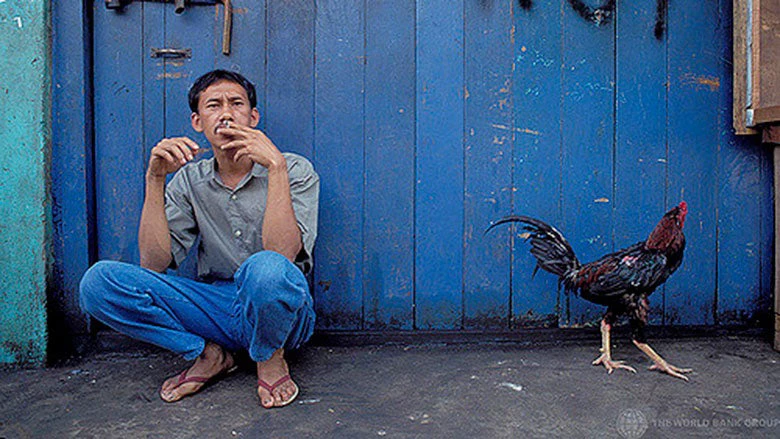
{"x":234,"y":197}
{"x":237,"y":233}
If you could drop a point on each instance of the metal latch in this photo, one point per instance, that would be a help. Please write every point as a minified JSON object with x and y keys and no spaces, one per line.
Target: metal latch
{"x":179,"y":6}
{"x":171,"y":53}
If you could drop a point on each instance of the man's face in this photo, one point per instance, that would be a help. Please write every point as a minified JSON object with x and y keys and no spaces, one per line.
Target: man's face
{"x":221,"y":102}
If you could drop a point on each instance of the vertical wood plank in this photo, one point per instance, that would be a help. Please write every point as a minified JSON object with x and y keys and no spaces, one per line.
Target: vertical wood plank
{"x":740,"y":250}
{"x":588,"y":130}
{"x":389,"y":150}
{"x":439,"y":167}
{"x":537,"y":165}
{"x":767,"y":224}
{"x":247,"y":53}
{"x":487,"y":161}
{"x":339,"y":137}
{"x":120,"y":159}
{"x":776,"y":229}
{"x":71,"y":168}
{"x":176,"y":75}
{"x":289,"y":118}
{"x":640,"y":150}
{"x":694,"y":82}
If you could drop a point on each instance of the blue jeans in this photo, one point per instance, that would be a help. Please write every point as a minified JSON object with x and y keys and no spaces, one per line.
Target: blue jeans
{"x":267,"y":306}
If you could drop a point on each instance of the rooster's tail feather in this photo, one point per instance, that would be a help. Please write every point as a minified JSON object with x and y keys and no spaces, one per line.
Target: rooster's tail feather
{"x":552,"y":251}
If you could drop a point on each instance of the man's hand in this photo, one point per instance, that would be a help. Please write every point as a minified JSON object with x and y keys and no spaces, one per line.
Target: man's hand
{"x":169,"y":155}
{"x":254,"y":144}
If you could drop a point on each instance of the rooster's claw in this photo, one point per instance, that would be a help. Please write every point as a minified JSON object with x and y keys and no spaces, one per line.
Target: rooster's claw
{"x":611,"y":365}
{"x":674,"y":371}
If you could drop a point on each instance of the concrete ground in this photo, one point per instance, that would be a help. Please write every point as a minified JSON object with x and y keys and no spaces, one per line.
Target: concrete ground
{"x":463,"y":390}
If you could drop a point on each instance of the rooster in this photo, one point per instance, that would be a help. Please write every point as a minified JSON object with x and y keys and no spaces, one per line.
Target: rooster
{"x":621,"y":281}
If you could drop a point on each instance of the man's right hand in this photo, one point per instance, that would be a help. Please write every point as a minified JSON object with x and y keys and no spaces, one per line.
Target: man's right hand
{"x":169,"y":155}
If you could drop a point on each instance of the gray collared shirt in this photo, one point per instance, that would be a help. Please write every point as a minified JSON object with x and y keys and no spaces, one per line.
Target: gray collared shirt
{"x":230,"y":222}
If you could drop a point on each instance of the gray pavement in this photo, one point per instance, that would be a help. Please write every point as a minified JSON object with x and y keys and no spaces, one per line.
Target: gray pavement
{"x":401,"y":390}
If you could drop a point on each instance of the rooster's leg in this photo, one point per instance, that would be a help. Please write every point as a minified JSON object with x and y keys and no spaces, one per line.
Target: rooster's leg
{"x":606,"y":357}
{"x":660,"y":364}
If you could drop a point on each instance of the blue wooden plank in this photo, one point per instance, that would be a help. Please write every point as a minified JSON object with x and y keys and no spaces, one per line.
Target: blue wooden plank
{"x":767,"y":226}
{"x":768,"y":230}
{"x":588,"y":136}
{"x":120,"y":158}
{"x":71,"y":166}
{"x":289,"y":118}
{"x":537,"y":173}
{"x":198,"y":29}
{"x":439,"y":168}
{"x":741,"y":299}
{"x":640,"y":150}
{"x":389,"y":151}
{"x":488,"y":163}
{"x":694,"y":79}
{"x":339,"y":157}
{"x":247,"y":53}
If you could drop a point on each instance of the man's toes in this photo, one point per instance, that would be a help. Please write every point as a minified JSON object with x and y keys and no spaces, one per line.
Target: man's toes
{"x":280,"y":396}
{"x":266,"y":399}
{"x":170,"y":395}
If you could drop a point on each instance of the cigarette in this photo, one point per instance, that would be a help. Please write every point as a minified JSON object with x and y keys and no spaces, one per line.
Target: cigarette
{"x":226,"y":123}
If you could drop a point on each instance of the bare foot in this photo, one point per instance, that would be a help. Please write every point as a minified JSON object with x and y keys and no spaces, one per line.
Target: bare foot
{"x":212,"y":361}
{"x":275,"y":388}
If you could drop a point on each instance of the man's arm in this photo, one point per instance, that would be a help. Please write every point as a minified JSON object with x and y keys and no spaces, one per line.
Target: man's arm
{"x":280,"y":229}
{"x":154,"y":239}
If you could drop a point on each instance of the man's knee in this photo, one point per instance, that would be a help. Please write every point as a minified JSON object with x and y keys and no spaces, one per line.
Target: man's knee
{"x":264,"y":264}
{"x":268,"y":277}
{"x":98,"y":283}
{"x":92,"y":285}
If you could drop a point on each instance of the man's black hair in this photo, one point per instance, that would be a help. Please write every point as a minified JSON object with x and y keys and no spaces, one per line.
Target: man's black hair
{"x":220,"y":75}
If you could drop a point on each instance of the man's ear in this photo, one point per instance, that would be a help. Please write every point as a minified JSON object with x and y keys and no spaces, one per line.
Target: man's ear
{"x":197,"y":124}
{"x":255,"y":118}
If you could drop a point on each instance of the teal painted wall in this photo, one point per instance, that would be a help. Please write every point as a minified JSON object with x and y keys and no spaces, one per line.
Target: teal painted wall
{"x":25,"y":89}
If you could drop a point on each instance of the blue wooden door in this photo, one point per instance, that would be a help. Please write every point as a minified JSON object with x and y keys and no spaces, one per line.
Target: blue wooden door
{"x":427,"y":119}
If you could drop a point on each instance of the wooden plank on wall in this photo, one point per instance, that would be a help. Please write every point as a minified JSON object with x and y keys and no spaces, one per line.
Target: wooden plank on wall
{"x":389,"y":149}
{"x":339,"y":160}
{"x":247,"y":53}
{"x":776,"y":228}
{"x":767,"y":224}
{"x":176,"y":75}
{"x":694,"y":82}
{"x":439,"y":167}
{"x":740,"y":185}
{"x":119,"y":100}
{"x":487,"y":161}
{"x":537,"y":166}
{"x":71,"y":163}
{"x":290,"y":75}
{"x":640,"y":130}
{"x":766,"y":22}
{"x":588,"y":141}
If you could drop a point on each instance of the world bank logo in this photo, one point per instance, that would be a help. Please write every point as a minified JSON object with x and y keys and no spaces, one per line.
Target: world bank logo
{"x":631,"y":424}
